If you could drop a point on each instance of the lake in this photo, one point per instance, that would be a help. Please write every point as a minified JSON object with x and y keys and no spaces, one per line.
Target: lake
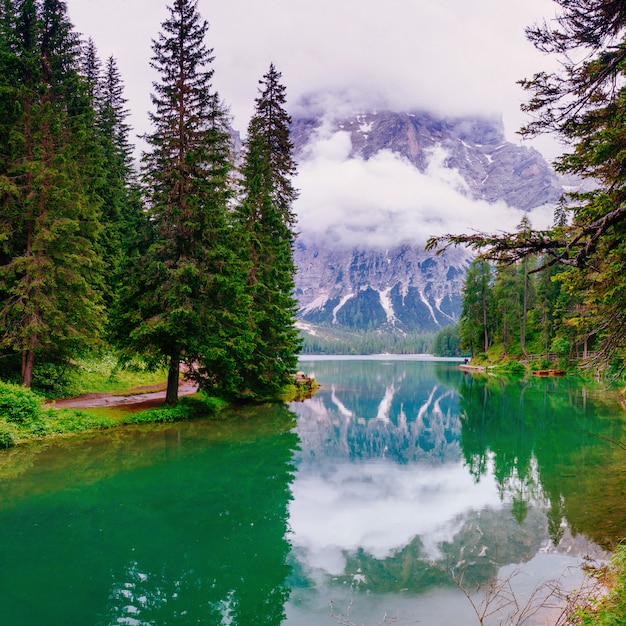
{"x":401,"y":491}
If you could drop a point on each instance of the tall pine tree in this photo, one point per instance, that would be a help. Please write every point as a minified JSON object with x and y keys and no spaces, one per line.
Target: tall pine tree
{"x":475,"y":322}
{"x":119,"y":187}
{"x":268,"y":223}
{"x":185,"y":302}
{"x":50,"y":274}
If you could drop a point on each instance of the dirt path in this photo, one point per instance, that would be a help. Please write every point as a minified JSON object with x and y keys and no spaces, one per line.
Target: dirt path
{"x":138,"y":398}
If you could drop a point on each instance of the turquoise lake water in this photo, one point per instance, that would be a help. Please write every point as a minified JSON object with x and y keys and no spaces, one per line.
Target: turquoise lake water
{"x":401,"y":487}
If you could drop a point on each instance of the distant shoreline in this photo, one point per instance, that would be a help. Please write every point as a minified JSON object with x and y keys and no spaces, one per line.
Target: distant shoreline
{"x":380,"y":357}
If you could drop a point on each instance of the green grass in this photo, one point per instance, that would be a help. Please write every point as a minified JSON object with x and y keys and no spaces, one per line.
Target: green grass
{"x":25,"y":418}
{"x":64,"y":421}
{"x":102,"y":375}
{"x":510,"y":368}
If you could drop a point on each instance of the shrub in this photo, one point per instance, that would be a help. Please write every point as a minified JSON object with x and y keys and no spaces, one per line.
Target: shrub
{"x":188,"y":408}
{"x":513,"y":368}
{"x":38,"y":428}
{"x":8,"y":434}
{"x":545,"y":364}
{"x":19,"y":405}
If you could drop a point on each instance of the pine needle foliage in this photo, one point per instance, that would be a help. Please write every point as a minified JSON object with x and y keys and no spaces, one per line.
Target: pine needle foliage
{"x":267,"y":223}
{"x":185,"y":301}
{"x":50,"y":273}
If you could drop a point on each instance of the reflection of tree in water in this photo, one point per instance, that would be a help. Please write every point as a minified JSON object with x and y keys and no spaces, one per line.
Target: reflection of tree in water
{"x":195,"y":534}
{"x":229,"y":563}
{"x":532,"y":438}
{"x":547,"y":443}
{"x":481,"y":545}
{"x":411,"y":416}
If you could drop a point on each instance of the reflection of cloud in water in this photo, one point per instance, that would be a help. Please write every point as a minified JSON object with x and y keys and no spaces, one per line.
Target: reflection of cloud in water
{"x":382,"y":491}
{"x":380,"y":506}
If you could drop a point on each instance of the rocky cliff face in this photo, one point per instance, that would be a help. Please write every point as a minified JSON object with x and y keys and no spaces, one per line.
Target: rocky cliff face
{"x":403,"y":287}
{"x":493,"y":168}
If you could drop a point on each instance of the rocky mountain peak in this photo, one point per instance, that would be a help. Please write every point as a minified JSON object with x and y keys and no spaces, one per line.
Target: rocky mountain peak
{"x":493,"y":168}
{"x":402,"y":287}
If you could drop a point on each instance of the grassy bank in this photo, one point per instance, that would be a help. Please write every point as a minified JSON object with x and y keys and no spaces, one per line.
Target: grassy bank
{"x":25,"y":417}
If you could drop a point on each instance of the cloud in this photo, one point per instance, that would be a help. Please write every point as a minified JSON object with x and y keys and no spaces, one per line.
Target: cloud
{"x":381,"y":507}
{"x":384,"y":201}
{"x":451,"y":56}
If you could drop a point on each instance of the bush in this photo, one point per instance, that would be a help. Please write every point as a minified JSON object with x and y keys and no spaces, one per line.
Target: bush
{"x":607,"y":609}
{"x":8,"y":434}
{"x":19,"y":405}
{"x":188,"y":408}
{"x":514,"y":368}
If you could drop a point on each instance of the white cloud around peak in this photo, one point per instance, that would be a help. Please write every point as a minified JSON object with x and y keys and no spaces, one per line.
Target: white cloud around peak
{"x":384,"y":201}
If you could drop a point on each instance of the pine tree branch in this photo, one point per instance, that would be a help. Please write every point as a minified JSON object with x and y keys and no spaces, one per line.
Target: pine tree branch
{"x":572,"y":245}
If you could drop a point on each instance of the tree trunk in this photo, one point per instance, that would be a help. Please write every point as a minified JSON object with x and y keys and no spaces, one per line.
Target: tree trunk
{"x":28,"y":362}
{"x":505,"y":332}
{"x":524,"y":320}
{"x":171,"y":395}
{"x":485,"y":329}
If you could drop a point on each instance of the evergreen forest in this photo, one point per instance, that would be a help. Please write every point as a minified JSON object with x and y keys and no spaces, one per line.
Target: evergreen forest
{"x":183,"y":262}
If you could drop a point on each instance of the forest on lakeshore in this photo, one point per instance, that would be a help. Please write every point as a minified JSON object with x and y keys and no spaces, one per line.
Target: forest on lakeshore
{"x":185,"y":263}
{"x":562,"y":291}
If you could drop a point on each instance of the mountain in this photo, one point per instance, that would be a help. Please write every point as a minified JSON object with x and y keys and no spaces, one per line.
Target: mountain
{"x":399,"y":286}
{"x":493,"y":168}
{"x":403,"y":288}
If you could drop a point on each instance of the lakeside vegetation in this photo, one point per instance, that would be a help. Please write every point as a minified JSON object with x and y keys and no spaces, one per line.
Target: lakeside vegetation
{"x":27,"y":416}
{"x":570,"y":277}
{"x":329,"y":340}
{"x":608,"y":609}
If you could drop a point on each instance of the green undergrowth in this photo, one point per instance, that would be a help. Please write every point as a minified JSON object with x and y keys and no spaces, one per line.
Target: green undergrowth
{"x":496,"y":361}
{"x":102,"y":374}
{"x":24,"y":417}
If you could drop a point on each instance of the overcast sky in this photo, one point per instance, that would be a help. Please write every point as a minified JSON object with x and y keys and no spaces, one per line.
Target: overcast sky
{"x":448,"y":56}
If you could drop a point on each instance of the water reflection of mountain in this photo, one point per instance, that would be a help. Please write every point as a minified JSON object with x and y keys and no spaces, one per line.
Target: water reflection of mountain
{"x":397,"y":411}
{"x":406,"y":468}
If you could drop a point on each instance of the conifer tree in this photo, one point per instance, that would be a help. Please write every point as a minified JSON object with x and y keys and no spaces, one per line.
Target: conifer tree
{"x":91,"y":68}
{"x":50,"y":274}
{"x":185,"y":303}
{"x":475,"y":322}
{"x":119,"y":187}
{"x":268,"y":223}
{"x":8,"y":96}
{"x":506,"y":303}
